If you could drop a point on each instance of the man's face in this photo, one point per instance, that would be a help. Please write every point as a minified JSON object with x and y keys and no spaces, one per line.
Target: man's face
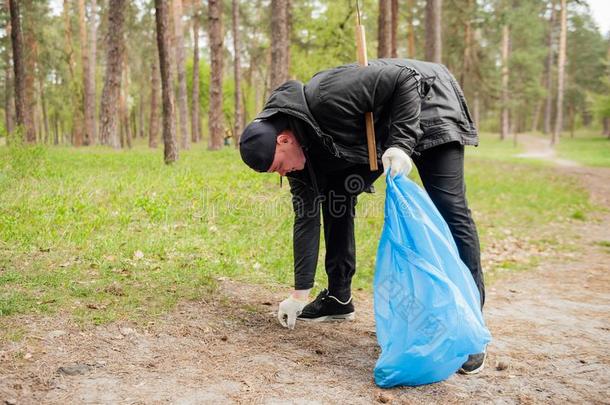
{"x":289,"y":155}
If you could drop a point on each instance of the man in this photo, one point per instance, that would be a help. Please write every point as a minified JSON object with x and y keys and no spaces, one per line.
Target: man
{"x":315,"y":135}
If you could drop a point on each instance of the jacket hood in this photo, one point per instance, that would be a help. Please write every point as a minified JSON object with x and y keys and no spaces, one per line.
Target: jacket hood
{"x":289,"y":98}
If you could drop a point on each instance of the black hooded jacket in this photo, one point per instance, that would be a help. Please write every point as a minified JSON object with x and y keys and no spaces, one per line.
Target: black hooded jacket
{"x":416,"y":105}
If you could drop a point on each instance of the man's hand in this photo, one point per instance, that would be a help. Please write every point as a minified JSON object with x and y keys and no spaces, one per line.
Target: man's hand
{"x":397,"y":161}
{"x":291,"y":307}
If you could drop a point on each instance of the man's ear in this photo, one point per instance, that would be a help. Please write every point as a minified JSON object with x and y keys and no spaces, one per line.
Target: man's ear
{"x":283,"y":138}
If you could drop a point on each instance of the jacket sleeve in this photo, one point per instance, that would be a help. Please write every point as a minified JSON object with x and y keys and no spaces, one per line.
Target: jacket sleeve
{"x":405,"y":131}
{"x":306,"y":233}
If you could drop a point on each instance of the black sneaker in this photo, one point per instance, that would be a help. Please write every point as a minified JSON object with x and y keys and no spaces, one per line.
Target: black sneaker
{"x":327,"y":308}
{"x":474,"y":364}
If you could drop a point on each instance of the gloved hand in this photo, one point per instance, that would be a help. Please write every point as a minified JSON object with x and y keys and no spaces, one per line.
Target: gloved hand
{"x":397,"y":161}
{"x":291,"y":307}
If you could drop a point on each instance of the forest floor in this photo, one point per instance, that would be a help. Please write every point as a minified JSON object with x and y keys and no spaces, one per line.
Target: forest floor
{"x":550,"y":327}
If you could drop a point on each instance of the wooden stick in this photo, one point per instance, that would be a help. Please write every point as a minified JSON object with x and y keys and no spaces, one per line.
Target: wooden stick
{"x":368,"y":116}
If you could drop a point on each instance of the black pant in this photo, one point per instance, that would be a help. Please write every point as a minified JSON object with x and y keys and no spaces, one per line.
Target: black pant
{"x":441,"y":169}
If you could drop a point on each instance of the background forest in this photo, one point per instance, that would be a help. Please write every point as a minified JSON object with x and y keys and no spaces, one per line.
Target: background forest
{"x":88,"y":71}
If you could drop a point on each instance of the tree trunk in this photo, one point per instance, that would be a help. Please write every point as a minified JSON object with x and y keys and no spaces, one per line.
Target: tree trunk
{"x":504,"y":113}
{"x":30,"y":58}
{"x":394,"y":31}
{"x":90,"y":100}
{"x":9,"y":100}
{"x":109,"y":115}
{"x":169,"y":126}
{"x":548,"y":106}
{"x":75,"y":90}
{"x":56,"y":129}
{"x":411,"y":29}
{"x":22,"y":104}
{"x":384,"y":29}
{"x":239,"y":113}
{"x":477,"y":109}
{"x":43,"y":105}
{"x":468,"y":54}
{"x":153,"y":130}
{"x":88,"y":103}
{"x":433,"y":30}
{"x":181,"y":100}
{"x":536,"y":117}
{"x":280,"y":43}
{"x":141,"y":103}
{"x":606,"y":120}
{"x":124,"y":115}
{"x":572,"y":120}
{"x":216,"y":127}
{"x":195,"y":115}
{"x":560,"y":73}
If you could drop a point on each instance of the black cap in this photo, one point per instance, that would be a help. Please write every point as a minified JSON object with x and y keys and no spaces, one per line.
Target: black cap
{"x":257,"y":142}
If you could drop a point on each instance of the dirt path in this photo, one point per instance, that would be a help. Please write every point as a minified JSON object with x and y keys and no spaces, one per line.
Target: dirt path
{"x":540,"y":148}
{"x":551,"y":329}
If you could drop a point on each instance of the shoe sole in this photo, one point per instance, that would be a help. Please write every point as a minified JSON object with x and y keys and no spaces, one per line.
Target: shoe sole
{"x":331,"y":318}
{"x":475,"y":371}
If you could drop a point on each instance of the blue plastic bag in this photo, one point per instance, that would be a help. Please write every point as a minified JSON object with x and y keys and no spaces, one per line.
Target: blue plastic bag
{"x":427,"y":306}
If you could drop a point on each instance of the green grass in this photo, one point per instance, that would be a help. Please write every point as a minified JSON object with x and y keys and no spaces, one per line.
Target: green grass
{"x":491,"y":147}
{"x":585,"y":148}
{"x":104,"y":235}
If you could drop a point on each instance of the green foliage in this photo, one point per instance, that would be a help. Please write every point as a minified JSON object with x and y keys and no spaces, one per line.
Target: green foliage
{"x":586,"y":56}
{"x":601,"y":105}
{"x":325,"y":37}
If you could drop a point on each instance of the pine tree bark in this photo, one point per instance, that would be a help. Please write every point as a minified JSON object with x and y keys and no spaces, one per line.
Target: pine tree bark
{"x":91,"y":99}
{"x":468,"y":54}
{"x":30,"y":60}
{"x":169,"y":126}
{"x":560,"y":72}
{"x":155,"y":90}
{"x":384,"y":29}
{"x":411,"y":29}
{"x":606,"y":120}
{"x":43,"y":105}
{"x":394,"y":31}
{"x":434,"y":30}
{"x":87,"y":104}
{"x":109,"y":116}
{"x":536,"y":116}
{"x":504,"y":112}
{"x":476,"y":109}
{"x":141,"y":102}
{"x":181,"y":100}
{"x":239,"y":113}
{"x":9,"y":100}
{"x":195,"y":114}
{"x":22,"y":104}
{"x":124,"y":116}
{"x":280,"y":43}
{"x":9,"y":95}
{"x":548,"y":106}
{"x":75,"y":89}
{"x":215,"y":121}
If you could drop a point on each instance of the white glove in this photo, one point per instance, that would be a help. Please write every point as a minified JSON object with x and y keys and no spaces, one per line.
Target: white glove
{"x":397,"y":161}
{"x":288,"y":311}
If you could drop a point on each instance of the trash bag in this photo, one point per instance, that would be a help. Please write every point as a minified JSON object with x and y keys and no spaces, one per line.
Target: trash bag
{"x":427,"y":306}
